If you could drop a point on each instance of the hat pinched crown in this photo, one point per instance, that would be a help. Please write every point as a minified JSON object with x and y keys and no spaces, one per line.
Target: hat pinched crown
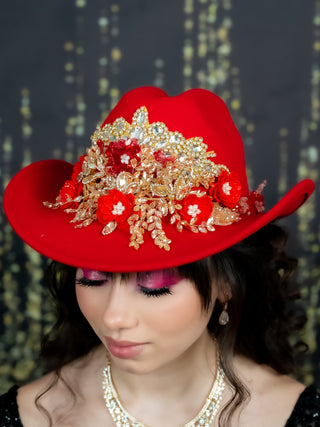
{"x":140,"y":174}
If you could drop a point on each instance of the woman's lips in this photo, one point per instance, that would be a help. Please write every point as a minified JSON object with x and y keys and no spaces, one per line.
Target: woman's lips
{"x":124,"y":349}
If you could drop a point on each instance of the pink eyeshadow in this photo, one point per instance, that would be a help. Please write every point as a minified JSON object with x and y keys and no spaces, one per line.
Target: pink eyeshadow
{"x":152,"y":280}
{"x":157,"y":280}
{"x":93,"y":274}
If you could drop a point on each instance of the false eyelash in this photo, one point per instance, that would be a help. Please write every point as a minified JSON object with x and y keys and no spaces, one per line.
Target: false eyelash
{"x":155,"y":292}
{"x":83,"y":281}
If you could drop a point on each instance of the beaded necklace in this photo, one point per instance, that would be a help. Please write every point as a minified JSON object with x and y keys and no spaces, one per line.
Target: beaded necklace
{"x":123,"y":419}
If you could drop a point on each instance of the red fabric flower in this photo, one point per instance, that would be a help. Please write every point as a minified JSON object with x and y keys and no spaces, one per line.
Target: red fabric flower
{"x":227,"y":190}
{"x":115,"y":206}
{"x":120,"y":154}
{"x":252,"y":204}
{"x":196,"y":207}
{"x":68,"y":192}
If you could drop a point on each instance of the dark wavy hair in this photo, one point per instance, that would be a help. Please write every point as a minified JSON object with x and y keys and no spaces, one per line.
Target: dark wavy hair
{"x":263,"y":315}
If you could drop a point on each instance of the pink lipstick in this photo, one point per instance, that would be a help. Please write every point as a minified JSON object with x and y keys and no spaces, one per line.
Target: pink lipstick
{"x":124,"y":349}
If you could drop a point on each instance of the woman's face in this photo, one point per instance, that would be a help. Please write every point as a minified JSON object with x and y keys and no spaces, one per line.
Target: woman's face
{"x":146,"y":321}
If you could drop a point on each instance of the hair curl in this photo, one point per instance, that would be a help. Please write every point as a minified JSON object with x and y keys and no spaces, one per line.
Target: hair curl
{"x":263,"y":316}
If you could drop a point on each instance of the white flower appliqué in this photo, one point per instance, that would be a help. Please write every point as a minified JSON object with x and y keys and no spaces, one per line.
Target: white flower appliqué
{"x":226,"y":188}
{"x":193,"y":210}
{"x":118,"y":209}
{"x":125,"y":159}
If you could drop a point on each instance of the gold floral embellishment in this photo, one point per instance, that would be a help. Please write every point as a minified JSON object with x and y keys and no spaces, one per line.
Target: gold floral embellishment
{"x":141,"y":175}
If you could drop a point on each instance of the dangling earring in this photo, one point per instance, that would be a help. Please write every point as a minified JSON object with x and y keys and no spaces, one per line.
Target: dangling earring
{"x":224,"y":316}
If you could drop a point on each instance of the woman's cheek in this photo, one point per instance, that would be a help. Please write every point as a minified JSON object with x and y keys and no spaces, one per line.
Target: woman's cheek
{"x":180,"y":309}
{"x":84,"y":300}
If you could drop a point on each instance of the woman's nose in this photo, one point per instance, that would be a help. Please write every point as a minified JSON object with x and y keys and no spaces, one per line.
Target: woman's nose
{"x":120,"y":312}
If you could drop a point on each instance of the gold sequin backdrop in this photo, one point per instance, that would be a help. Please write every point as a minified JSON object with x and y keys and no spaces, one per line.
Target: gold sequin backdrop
{"x":65,"y":63}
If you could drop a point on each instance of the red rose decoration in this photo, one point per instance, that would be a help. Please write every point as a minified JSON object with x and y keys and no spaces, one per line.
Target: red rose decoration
{"x":68,"y":192}
{"x":196,"y":207}
{"x":227,"y":189}
{"x":115,"y":206}
{"x":120,"y":154}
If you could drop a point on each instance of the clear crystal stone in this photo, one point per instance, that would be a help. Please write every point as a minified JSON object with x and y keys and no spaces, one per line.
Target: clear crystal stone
{"x":146,"y":141}
{"x":224,"y":318}
{"x":120,"y":127}
{"x":157,"y":130}
{"x":175,"y":138}
{"x":197,"y":148}
{"x":141,"y":118}
{"x":137,"y":133}
{"x":161,"y":144}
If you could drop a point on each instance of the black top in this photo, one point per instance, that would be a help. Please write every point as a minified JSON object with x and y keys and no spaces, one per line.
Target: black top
{"x":9,"y":415}
{"x":306,"y":412}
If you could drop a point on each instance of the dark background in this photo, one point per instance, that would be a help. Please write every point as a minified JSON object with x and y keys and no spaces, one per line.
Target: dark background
{"x":64,"y":64}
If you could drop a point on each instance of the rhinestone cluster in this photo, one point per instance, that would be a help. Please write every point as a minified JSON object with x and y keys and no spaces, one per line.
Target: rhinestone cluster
{"x":140,"y":174}
{"x":155,"y":135}
{"x":122,"y":419}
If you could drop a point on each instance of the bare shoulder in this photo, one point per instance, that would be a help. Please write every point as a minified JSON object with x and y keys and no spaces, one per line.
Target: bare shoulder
{"x":55,"y":394}
{"x":27,"y":400}
{"x":273,"y":395}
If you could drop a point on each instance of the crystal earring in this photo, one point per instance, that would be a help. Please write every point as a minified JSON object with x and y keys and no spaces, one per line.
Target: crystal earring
{"x":224,"y":316}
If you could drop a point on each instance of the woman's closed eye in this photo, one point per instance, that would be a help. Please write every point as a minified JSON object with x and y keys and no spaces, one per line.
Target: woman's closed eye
{"x":155,"y":292}
{"x":84,"y":281}
{"x":150,"y":284}
{"x":92,"y":278}
{"x":158,"y":283}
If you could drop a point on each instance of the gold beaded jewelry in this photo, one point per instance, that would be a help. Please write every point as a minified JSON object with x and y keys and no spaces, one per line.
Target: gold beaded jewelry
{"x":122,"y":419}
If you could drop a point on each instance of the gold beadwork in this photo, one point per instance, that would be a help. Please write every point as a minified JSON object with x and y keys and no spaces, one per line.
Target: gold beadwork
{"x":166,"y":170}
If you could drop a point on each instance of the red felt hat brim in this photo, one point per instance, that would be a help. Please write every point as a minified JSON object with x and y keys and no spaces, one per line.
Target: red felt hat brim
{"x":50,"y":232}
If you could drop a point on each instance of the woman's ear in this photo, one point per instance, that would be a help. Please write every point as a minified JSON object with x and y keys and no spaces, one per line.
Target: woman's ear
{"x":224,"y":292}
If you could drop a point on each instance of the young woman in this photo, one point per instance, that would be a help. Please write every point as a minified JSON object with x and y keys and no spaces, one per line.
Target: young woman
{"x":170,"y":282}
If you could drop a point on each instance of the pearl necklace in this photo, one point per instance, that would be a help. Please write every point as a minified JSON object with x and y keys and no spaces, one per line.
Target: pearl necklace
{"x":122,"y":419}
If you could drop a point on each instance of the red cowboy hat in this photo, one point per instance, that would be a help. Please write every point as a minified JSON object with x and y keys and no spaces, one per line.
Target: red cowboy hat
{"x":195,"y":113}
